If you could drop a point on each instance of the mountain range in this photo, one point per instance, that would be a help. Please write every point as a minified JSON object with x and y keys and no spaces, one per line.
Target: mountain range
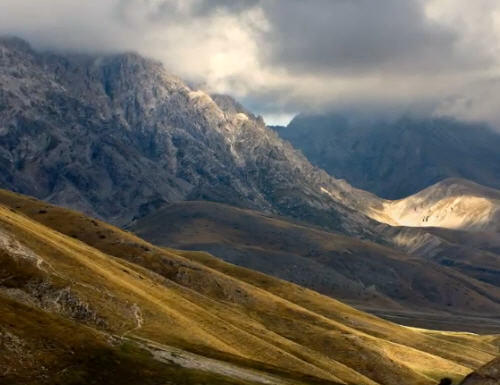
{"x":121,"y":139}
{"x":399,"y":157}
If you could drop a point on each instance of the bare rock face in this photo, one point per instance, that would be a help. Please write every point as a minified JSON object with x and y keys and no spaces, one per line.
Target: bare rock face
{"x":489,"y":374}
{"x":117,"y":137}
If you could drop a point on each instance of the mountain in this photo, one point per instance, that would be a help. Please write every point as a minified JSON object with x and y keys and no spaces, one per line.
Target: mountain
{"x":489,"y":374}
{"x":451,"y":204}
{"x":117,"y":137}
{"x":84,"y":302}
{"x":395,"y":159}
{"x":454,"y":223}
{"x":425,"y":292}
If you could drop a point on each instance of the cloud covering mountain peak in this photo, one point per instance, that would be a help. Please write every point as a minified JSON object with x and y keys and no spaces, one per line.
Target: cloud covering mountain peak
{"x":288,"y":56}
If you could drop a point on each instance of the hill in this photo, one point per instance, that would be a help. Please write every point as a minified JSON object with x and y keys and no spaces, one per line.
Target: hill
{"x":454,"y":222}
{"x":82,"y":301}
{"x":452,"y":203}
{"x":377,"y":278}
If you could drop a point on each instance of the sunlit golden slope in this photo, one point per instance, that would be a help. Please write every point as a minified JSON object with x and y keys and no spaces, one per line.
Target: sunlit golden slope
{"x":96,"y":279}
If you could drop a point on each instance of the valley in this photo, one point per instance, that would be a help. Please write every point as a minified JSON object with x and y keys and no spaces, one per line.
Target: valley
{"x":365,"y":274}
{"x":70,"y":272}
{"x":152,"y":232}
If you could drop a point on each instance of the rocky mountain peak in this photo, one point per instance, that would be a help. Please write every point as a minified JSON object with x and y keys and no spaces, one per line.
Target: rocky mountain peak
{"x":117,"y":136}
{"x":230,"y":106}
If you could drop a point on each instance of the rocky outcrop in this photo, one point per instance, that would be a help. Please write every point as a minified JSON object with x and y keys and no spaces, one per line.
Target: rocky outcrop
{"x":28,"y":279}
{"x":489,"y":374}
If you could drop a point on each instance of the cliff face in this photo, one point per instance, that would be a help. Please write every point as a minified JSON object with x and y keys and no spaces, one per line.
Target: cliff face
{"x":117,"y":136}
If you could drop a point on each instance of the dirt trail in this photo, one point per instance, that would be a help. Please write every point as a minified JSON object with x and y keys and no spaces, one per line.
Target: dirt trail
{"x":189,"y":360}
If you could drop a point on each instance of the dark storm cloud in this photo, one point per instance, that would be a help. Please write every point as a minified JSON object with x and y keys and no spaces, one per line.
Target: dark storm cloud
{"x":167,"y":10}
{"x":208,"y":7}
{"x":356,"y":36}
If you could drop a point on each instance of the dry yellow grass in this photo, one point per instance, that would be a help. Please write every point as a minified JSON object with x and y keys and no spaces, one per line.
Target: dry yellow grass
{"x":201,"y":304}
{"x":365,"y":274}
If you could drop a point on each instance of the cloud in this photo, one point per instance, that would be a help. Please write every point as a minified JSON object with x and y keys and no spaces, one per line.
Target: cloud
{"x":286,"y":56}
{"x":342,"y":36}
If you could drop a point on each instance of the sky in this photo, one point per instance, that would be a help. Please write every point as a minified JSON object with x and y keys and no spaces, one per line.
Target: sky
{"x":281,"y":57}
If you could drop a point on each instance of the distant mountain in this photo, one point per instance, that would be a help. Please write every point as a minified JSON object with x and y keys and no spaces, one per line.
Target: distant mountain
{"x":454,"y":222}
{"x":117,"y":137}
{"x":452,"y":203}
{"x":83,"y":302}
{"x":396,"y":159}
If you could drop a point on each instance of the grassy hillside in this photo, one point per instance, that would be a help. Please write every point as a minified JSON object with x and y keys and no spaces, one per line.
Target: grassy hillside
{"x":43,"y":348}
{"x":359,"y":272}
{"x":136,"y":308}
